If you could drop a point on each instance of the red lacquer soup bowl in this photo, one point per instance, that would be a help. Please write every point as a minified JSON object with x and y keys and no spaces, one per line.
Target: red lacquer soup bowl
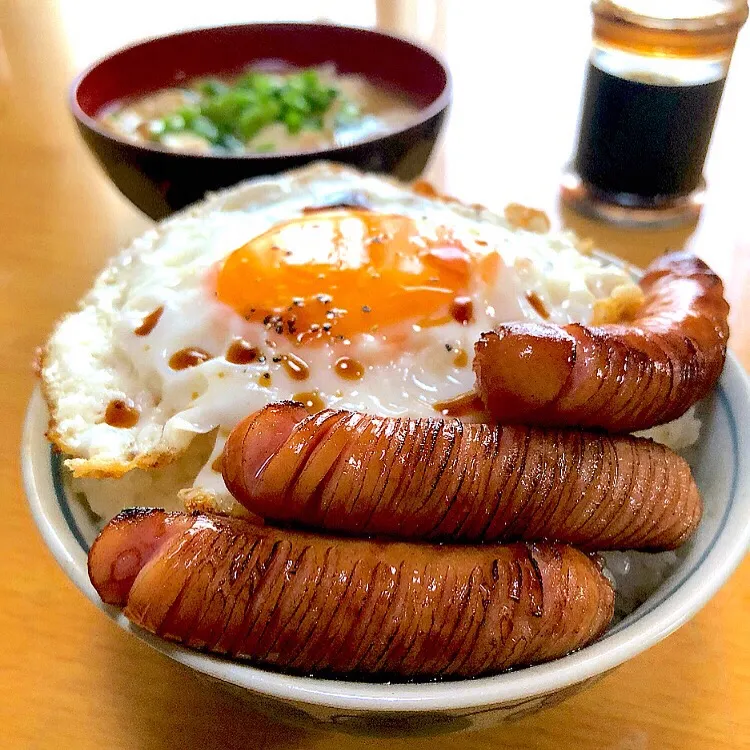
{"x":160,"y":181}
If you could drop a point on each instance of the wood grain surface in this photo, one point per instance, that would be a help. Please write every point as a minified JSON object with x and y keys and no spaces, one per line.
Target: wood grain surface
{"x":70,"y":678}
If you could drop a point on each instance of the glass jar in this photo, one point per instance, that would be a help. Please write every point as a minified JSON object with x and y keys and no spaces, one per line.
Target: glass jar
{"x":653,"y":85}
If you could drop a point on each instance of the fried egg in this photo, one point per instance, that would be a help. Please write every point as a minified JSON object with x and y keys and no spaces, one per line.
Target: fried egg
{"x":323,"y":285}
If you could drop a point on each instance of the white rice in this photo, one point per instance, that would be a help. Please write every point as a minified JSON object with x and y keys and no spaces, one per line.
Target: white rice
{"x":153,"y":488}
{"x":638,"y":574}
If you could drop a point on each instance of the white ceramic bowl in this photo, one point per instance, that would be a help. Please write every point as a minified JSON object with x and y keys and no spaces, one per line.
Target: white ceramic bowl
{"x":721,"y":464}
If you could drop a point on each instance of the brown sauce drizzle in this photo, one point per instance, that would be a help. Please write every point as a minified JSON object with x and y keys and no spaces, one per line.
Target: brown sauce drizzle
{"x":349,"y":369}
{"x":311,"y":400}
{"x":462,"y":310}
{"x":264,"y":379}
{"x":121,"y":413}
{"x":149,"y":322}
{"x":190,"y":356}
{"x":459,"y":406}
{"x":240,"y":352}
{"x":536,"y":302}
{"x":217,"y":463}
{"x":295,"y":366}
{"x":461,"y":358}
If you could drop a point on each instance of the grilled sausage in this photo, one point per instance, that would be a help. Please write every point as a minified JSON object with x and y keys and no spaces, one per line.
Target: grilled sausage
{"x":622,"y":377}
{"x":331,"y":606}
{"x":447,"y":481}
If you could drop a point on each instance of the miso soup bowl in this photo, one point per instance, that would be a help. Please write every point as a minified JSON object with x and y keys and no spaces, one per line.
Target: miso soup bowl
{"x":721,"y":464}
{"x":160,"y":181}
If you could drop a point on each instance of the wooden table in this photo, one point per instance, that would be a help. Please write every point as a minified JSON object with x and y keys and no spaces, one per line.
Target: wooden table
{"x":69,"y":677}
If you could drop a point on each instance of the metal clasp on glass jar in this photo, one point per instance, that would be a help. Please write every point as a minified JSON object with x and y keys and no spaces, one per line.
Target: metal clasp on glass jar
{"x":653,"y":86}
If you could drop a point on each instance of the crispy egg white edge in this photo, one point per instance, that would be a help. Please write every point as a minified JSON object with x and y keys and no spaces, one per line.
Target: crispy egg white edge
{"x":78,"y":380}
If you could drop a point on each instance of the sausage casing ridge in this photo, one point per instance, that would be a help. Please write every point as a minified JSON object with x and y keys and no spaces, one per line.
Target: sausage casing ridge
{"x":481,"y":483}
{"x":620,"y":377}
{"x":341,"y":606}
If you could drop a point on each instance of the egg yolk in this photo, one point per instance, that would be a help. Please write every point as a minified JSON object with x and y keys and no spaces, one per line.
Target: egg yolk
{"x":343,"y":272}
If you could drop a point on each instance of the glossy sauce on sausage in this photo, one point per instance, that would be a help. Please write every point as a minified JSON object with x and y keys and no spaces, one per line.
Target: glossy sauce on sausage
{"x":441,"y":479}
{"x":331,"y":606}
{"x":620,"y":377}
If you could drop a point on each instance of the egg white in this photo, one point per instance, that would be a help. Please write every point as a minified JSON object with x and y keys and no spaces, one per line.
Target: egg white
{"x":94,"y":356}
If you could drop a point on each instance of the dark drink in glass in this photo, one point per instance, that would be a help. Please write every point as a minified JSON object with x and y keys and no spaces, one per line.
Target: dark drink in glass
{"x":652,"y":91}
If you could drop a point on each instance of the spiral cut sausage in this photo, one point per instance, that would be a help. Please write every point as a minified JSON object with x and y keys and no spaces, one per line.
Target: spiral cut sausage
{"x":315,"y":604}
{"x":447,"y":481}
{"x":622,"y":377}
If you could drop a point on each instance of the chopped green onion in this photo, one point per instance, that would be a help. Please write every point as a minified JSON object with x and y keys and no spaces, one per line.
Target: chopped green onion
{"x":174,"y":123}
{"x":231,"y":143}
{"x":230,"y":115}
{"x":188,"y":115}
{"x":271,"y":109}
{"x":203,"y":127}
{"x":250,"y":122}
{"x":296,"y":100}
{"x":296,"y":83}
{"x":293,"y":121}
{"x":212,"y":87}
{"x":310,"y":77}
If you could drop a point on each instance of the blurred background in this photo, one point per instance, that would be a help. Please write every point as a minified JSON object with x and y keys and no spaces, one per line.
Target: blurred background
{"x":71,"y":679}
{"x":518,"y":72}
{"x":518,"y":75}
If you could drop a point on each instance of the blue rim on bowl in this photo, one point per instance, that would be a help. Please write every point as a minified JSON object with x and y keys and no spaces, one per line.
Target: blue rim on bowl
{"x":722,"y":543}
